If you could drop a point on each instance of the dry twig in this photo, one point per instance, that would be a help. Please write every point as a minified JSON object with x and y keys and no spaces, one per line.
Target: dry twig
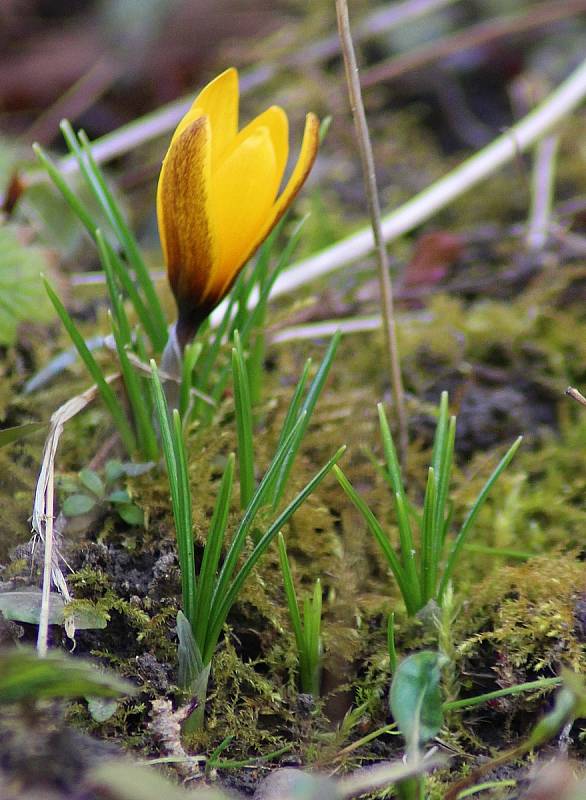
{"x":368,"y":170}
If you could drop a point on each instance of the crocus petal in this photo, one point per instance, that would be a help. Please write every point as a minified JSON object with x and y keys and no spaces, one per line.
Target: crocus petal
{"x":275,"y":119}
{"x":217,"y":198}
{"x":183,"y":214}
{"x":243,"y":192}
{"x":309,"y":148}
{"x":218,"y":101}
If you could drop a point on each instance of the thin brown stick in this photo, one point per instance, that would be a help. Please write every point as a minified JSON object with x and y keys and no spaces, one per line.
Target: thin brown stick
{"x":367,"y":160}
{"x":576,"y":395}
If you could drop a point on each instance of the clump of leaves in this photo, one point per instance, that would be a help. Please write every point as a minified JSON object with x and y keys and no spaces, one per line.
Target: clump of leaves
{"x":426,"y":563}
{"x":307,"y":629}
{"x":210,"y":591}
{"x":88,"y":489}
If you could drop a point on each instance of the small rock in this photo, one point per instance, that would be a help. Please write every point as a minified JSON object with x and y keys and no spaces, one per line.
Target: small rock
{"x":291,"y":784}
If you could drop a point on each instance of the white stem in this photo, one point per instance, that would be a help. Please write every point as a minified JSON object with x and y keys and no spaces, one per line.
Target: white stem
{"x":327,"y":328}
{"x":43,"y":632}
{"x":542,"y":193}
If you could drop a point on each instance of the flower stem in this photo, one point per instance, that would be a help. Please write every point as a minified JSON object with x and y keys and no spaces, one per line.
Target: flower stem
{"x":367,"y":160}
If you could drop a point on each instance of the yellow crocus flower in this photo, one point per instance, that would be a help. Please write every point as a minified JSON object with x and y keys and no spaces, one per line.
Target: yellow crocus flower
{"x":218,"y":195}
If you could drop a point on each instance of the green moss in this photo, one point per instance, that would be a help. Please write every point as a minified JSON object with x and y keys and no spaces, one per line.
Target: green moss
{"x":527,"y":616}
{"x":147,"y":631}
{"x":241,"y":700}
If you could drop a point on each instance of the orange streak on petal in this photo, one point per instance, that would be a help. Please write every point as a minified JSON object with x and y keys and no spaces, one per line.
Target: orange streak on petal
{"x":217,"y":189}
{"x":182,"y":210}
{"x":218,"y":101}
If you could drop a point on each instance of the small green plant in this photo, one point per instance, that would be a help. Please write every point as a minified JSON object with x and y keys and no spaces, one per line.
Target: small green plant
{"x":416,"y":705}
{"x":418,"y":708}
{"x":420,"y":571}
{"x":87,"y":490}
{"x":208,"y":593}
{"x":306,"y":630}
{"x":196,"y":375}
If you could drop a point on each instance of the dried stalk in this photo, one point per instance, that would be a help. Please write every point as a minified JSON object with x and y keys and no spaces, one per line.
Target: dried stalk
{"x":43,"y":509}
{"x":367,"y":160}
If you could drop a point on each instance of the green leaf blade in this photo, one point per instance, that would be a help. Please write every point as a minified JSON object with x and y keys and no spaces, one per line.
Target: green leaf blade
{"x":415,"y":698}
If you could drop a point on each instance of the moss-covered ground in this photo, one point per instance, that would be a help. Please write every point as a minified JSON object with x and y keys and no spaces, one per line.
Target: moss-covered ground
{"x":502,"y":329}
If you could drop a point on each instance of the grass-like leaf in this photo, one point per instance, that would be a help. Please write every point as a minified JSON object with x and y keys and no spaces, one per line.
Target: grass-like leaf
{"x":408,"y":550}
{"x":213,"y":552}
{"x":116,"y":299}
{"x":306,"y":632}
{"x":174,"y":452}
{"x":418,"y":569}
{"x":10,"y":435}
{"x":95,"y":179}
{"x":472,"y":514}
{"x":114,"y":263}
{"x":407,"y":589}
{"x":243,"y":529}
{"x":136,"y":393}
{"x":226,"y":600}
{"x":106,"y":392}
{"x":306,"y":410}
{"x":79,"y":209}
{"x":243,"y":411}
